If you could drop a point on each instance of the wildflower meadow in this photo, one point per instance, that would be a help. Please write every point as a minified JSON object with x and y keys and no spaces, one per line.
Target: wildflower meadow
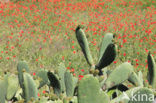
{"x":77,"y":51}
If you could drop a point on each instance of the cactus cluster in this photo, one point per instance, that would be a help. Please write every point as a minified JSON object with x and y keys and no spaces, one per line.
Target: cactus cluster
{"x":63,"y":85}
{"x":107,"y":51}
{"x":115,"y":79}
{"x":99,"y":86}
{"x":63,"y":82}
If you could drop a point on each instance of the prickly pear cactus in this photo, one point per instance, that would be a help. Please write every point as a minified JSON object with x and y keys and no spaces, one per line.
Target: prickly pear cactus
{"x":13,"y":85}
{"x":21,"y":67}
{"x":89,"y":91}
{"x":61,"y":72}
{"x":107,"y":57}
{"x":104,"y":76}
{"x":75,"y":81}
{"x":134,"y":79}
{"x":30,"y":89}
{"x":3,"y":86}
{"x":82,"y":40}
{"x":44,"y":77}
{"x":55,"y":83}
{"x":107,"y":52}
{"x":70,"y":82}
{"x":143,"y":95}
{"x":118,"y":75}
{"x":135,"y":95}
{"x":125,"y":96}
{"x":140,"y":76}
{"x":151,"y":70}
{"x":108,"y":38}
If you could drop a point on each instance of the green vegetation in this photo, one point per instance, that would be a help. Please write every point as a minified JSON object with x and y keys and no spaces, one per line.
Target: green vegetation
{"x":85,"y":51}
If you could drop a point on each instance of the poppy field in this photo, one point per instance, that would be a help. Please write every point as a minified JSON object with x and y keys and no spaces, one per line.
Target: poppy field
{"x":93,"y":41}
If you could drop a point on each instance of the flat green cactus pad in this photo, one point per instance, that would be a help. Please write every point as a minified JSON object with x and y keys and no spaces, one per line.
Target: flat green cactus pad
{"x":118,"y":75}
{"x":13,"y":85}
{"x":89,"y":91}
{"x":30,"y":88}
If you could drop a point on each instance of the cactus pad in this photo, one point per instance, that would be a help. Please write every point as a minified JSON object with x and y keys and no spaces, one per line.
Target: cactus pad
{"x":55,"y":83}
{"x":107,"y":57}
{"x":3,"y":86}
{"x":143,"y":95}
{"x":105,"y":42}
{"x":118,"y":75}
{"x":134,"y":79}
{"x":89,"y":91}
{"x":61,"y":72}
{"x":69,"y":84}
{"x":12,"y":87}
{"x":151,"y":70}
{"x":22,"y":66}
{"x":29,"y":89}
{"x":43,"y":75}
{"x":82,"y":40}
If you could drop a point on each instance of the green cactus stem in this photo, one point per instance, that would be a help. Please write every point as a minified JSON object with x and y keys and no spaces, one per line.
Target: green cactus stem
{"x":82,"y":40}
{"x":42,"y":74}
{"x":108,"y":38}
{"x":30,"y":89}
{"x":61,"y":72}
{"x":55,"y":83}
{"x":140,"y":76}
{"x":3,"y":86}
{"x":125,"y":96}
{"x":135,"y":80}
{"x":151,"y":70}
{"x":21,"y":67}
{"x":135,"y":95}
{"x":13,"y":85}
{"x":108,"y":57}
{"x":89,"y":91}
{"x":118,"y":75}
{"x":70,"y":83}
{"x":143,"y":95}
